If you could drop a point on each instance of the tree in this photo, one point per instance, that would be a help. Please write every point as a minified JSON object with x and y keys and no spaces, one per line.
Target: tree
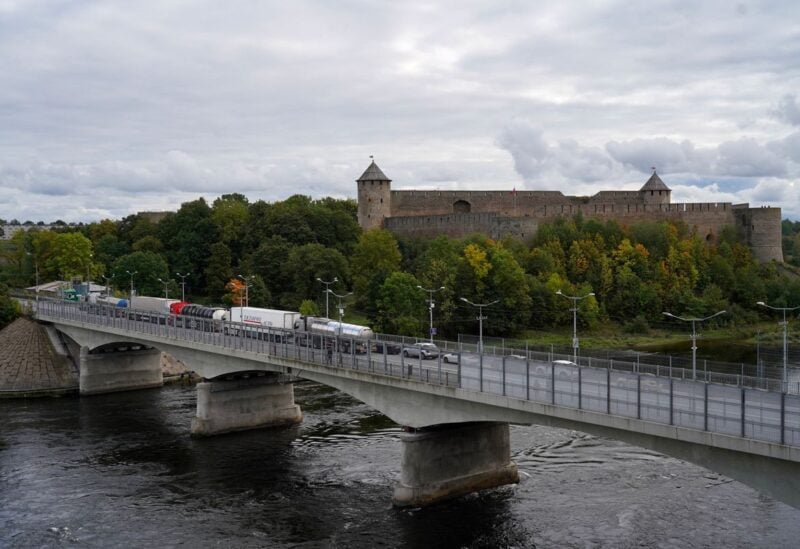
{"x":307,"y":263}
{"x":376,"y":252}
{"x":71,"y":256}
{"x":218,"y":271}
{"x":401,"y":305}
{"x":308,"y":308}
{"x":148,"y":268}
{"x":9,"y":308}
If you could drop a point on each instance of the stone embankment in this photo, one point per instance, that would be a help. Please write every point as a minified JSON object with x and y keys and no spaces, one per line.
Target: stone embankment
{"x":33,"y":362}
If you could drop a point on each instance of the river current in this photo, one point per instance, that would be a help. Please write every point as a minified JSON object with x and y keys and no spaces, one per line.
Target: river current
{"x":120,"y":470}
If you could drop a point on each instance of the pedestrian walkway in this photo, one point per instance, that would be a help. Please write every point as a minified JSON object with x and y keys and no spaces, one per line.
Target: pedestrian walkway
{"x":29,"y":366}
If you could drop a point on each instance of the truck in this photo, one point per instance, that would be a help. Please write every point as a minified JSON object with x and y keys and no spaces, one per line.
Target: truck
{"x":141,"y":305}
{"x":255,"y":321}
{"x":322,"y":332}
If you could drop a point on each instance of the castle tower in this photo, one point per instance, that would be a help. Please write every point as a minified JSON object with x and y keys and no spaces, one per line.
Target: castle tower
{"x":374,"y":197}
{"x":655,"y":191}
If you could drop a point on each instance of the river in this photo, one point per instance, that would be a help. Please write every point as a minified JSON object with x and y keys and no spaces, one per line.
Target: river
{"x":120,"y":470}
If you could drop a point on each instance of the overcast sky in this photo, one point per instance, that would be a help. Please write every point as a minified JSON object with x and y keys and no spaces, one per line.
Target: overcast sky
{"x":112,"y":107}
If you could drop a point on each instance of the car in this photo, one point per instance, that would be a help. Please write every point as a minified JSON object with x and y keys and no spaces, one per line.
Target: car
{"x":424,"y":350}
{"x":386,"y":346}
{"x":564,"y":363}
{"x":451,"y":358}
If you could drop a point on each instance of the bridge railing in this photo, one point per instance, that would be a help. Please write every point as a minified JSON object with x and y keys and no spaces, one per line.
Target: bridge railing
{"x":720,"y":403}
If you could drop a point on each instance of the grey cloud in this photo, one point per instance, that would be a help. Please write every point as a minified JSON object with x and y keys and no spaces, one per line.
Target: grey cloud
{"x":788,"y":110}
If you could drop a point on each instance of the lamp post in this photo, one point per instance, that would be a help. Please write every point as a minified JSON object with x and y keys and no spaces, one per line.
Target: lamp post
{"x":481,"y":318}
{"x":108,"y":283}
{"x":36,"y":266}
{"x":694,"y":335}
{"x":341,"y":312}
{"x":131,"y":273}
{"x":785,"y":335}
{"x":166,"y":286}
{"x":575,"y":299}
{"x":183,"y":285}
{"x":328,"y":291}
{"x":430,"y":305}
{"x":247,"y":289}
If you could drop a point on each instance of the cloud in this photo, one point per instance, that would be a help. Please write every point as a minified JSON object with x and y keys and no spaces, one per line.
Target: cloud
{"x":788,"y":110}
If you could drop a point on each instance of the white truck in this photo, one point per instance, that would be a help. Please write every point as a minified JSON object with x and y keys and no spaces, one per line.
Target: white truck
{"x":255,"y":320}
{"x":140,"y":305}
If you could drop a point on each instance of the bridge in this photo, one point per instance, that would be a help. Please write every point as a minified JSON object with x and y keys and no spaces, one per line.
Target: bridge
{"x":456,"y":414}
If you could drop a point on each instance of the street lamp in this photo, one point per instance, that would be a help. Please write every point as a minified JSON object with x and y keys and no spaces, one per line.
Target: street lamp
{"x":481,"y":318}
{"x":341,"y":309}
{"x":108,"y":283}
{"x":247,"y":289}
{"x":430,"y":305}
{"x":183,"y":285}
{"x":166,"y":285}
{"x":131,"y":273}
{"x":694,"y":335}
{"x":574,"y":310}
{"x":785,"y":334}
{"x":36,"y":266}
{"x":327,"y":291}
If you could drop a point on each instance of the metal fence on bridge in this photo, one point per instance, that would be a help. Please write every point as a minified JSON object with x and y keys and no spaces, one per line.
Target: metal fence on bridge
{"x":729,"y":404}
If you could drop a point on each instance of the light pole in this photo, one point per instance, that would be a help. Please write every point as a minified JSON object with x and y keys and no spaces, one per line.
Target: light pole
{"x":574,"y":310}
{"x":341,"y":312}
{"x":131,"y":273}
{"x":430,"y":305}
{"x":108,"y":282}
{"x":247,"y":289}
{"x":328,"y":291}
{"x":481,"y":318}
{"x":183,"y":285}
{"x":694,"y":335}
{"x":785,"y":334}
{"x":166,"y":285}
{"x":36,"y":266}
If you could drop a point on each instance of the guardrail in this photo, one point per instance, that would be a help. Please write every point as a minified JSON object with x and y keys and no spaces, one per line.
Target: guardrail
{"x":721,"y":403}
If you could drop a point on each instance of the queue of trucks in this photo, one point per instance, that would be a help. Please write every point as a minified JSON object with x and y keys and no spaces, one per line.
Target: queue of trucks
{"x":247,"y":321}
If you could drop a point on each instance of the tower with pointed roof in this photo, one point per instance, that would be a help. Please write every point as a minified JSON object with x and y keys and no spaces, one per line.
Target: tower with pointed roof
{"x":655,"y":191}
{"x":374,"y":197}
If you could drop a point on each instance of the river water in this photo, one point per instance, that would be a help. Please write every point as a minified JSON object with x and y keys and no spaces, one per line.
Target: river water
{"x":120,"y":470}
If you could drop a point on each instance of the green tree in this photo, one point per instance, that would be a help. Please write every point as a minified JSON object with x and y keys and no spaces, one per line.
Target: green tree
{"x":376,"y":252}
{"x":307,"y":263}
{"x":148,"y":268}
{"x":401,"y":305}
{"x":218,"y":271}
{"x":9,"y":308}
{"x":71,"y":256}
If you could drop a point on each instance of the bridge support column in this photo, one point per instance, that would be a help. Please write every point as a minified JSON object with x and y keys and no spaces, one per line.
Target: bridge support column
{"x":119,"y":370}
{"x":237,"y":405}
{"x":447,"y":461}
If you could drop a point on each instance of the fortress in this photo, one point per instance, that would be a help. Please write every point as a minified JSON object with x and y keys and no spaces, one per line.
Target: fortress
{"x":519,"y":213}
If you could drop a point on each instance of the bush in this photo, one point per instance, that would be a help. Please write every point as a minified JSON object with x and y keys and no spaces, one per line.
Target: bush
{"x":637,"y":326}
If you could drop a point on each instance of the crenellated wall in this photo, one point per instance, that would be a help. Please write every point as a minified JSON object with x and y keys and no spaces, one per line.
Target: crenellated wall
{"x":519,"y":213}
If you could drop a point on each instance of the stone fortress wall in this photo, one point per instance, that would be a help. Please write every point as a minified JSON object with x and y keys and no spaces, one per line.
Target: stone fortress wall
{"x":519,"y":213}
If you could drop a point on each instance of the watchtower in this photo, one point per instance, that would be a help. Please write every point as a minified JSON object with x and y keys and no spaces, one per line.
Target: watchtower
{"x":655,"y":191}
{"x":374,"y":197}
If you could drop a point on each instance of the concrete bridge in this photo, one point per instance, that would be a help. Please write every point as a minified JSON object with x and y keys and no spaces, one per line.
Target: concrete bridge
{"x":456,"y":414}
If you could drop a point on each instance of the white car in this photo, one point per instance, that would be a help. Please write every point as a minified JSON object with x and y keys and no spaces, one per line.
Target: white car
{"x":451,"y":358}
{"x":424,"y":350}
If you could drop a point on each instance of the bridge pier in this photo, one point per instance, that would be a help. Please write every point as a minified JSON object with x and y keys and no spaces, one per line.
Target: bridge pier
{"x":241,"y":404}
{"x":124,"y":369}
{"x":451,"y":460}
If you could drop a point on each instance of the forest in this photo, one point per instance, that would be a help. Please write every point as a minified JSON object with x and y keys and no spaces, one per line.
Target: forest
{"x":282,"y":250}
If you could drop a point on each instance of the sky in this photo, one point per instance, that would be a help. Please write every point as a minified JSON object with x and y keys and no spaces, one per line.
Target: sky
{"x":112,"y":107}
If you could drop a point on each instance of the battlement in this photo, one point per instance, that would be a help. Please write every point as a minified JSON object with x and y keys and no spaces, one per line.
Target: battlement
{"x":458,"y":213}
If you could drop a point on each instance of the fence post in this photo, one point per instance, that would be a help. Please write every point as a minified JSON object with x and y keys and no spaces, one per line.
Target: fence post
{"x":638,"y":396}
{"x":504,"y":375}
{"x":783,"y":418}
{"x":744,"y":408}
{"x":705,"y":406}
{"x":480,"y":367}
{"x":553,"y":382}
{"x":527,"y":375}
{"x":608,"y":391}
{"x":671,"y":408}
{"x":580,"y":389}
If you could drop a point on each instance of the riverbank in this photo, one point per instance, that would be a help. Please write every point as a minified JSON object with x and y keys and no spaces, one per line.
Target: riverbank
{"x":31,"y":365}
{"x":34,"y":363}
